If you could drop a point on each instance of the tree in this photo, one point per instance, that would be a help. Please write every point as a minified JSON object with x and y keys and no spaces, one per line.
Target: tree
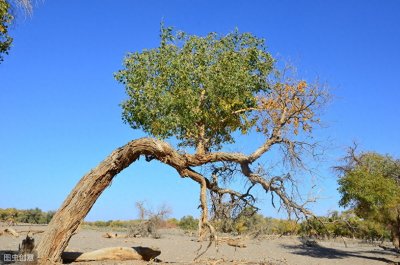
{"x":6,"y":18}
{"x":203,"y":91}
{"x":370,"y":184}
{"x":5,"y":21}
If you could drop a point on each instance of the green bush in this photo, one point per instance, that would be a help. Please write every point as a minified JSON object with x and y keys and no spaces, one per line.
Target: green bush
{"x":33,"y":216}
{"x":344,"y":225}
{"x":189,"y":223}
{"x":118,"y":224}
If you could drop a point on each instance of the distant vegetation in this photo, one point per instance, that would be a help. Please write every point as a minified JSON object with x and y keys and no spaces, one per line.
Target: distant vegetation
{"x":345,"y":224}
{"x":336,"y":224}
{"x":32,"y":216}
{"x":188,"y":223}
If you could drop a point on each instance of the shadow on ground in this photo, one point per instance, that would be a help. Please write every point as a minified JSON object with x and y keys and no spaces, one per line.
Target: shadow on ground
{"x":322,"y":252}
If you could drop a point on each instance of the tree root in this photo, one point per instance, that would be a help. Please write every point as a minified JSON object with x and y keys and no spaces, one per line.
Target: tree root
{"x":212,"y":238}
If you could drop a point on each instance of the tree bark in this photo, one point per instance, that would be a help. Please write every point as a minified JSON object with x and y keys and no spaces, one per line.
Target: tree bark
{"x":396,"y":236}
{"x":396,"y":231}
{"x":396,"y":241}
{"x":204,"y":210}
{"x":81,"y":199}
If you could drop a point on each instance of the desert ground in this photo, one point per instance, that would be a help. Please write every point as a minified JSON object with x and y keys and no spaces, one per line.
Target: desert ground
{"x":180,"y":247}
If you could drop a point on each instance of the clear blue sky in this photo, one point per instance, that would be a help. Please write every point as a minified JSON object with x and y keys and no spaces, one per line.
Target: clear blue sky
{"x":59,"y":110}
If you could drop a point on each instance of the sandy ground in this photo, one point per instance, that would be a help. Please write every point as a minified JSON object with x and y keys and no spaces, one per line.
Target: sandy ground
{"x":179,"y":248}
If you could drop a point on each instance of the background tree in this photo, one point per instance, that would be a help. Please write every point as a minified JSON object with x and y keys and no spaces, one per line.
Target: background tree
{"x":370,"y":184}
{"x":204,"y":91}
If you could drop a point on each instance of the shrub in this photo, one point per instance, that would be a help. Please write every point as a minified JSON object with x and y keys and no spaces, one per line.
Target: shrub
{"x":189,"y":223}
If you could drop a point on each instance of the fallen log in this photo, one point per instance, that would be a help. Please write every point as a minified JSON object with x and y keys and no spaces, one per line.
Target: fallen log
{"x":112,"y":253}
{"x":236,"y":244}
{"x":31,"y":232}
{"x":233,"y":242}
{"x":109,"y":235}
{"x":9,"y":231}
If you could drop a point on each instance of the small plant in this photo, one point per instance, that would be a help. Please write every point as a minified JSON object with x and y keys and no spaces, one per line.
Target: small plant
{"x":149,"y":222}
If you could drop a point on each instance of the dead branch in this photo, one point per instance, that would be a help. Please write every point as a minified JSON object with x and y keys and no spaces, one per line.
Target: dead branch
{"x":112,"y":235}
{"x":236,"y":244}
{"x":233,"y":242}
{"x":31,"y":232}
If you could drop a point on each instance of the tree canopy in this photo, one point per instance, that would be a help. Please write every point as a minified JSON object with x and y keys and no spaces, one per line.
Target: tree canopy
{"x":370,"y":184}
{"x":202,"y":89}
{"x":190,"y":86}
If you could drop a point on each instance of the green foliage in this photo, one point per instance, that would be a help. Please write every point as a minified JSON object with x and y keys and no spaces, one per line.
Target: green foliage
{"x":370,"y":184}
{"x":256,"y":224}
{"x":371,"y":187}
{"x":110,"y":224}
{"x":117,"y":223}
{"x":101,"y":224}
{"x":247,"y":222}
{"x":32,"y":216}
{"x":189,"y":223}
{"x":5,"y":21}
{"x":191,"y":82}
{"x":287,"y":227}
{"x":49,"y":216}
{"x":172,"y":223}
{"x":346,"y":224}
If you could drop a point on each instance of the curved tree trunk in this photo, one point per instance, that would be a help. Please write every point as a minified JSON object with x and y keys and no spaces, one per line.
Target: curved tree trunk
{"x":81,"y":199}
